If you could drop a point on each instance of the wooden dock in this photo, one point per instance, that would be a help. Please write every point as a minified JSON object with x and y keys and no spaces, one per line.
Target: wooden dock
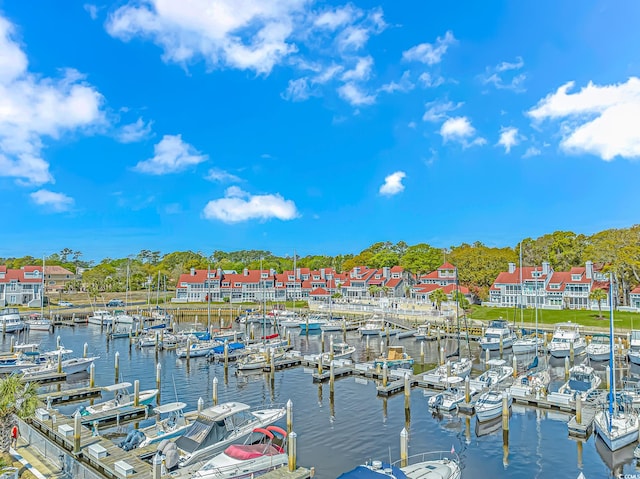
{"x":46,"y":378}
{"x":71,"y":395}
{"x":585,"y":427}
{"x":283,"y":473}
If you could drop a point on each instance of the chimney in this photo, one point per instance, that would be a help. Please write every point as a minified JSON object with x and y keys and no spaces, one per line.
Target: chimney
{"x":219,"y":272}
{"x":545,"y":267}
{"x":193,"y":271}
{"x":322,"y":275}
{"x":589,"y":269}
{"x":512,"y":267}
{"x":245,"y":272}
{"x":386,"y":271}
{"x":297,"y":273}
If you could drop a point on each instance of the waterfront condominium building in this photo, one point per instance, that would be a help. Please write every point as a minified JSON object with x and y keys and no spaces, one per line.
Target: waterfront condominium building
{"x":20,"y":286}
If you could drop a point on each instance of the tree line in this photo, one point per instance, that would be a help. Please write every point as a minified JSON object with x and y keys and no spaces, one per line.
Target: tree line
{"x":615,"y":250}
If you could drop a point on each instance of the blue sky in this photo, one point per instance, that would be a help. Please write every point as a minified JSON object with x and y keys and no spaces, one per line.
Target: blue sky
{"x":319,"y":127}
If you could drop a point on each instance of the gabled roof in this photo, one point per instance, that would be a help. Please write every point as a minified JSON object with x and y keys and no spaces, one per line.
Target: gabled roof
{"x":514,"y":278}
{"x":636,"y":290}
{"x":319,"y":292}
{"x":393,"y":282}
{"x":55,"y":269}
{"x":451,"y":288}
{"x":447,"y":266}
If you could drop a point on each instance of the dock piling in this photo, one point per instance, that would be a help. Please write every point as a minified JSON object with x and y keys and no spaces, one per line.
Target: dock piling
{"x":505,"y":412}
{"x":189,"y":347}
{"x":467,"y":390}
{"x":116,"y":366}
{"x":320,"y":365}
{"x":85,"y":350}
{"x":566,"y":367}
{"x":292,"y":451}
{"x":571,"y":352}
{"x":289,"y":417}
{"x":156,"y":467}
{"x":422,"y":352}
{"x":448,"y":368}
{"x":58,"y":342}
{"x":501,"y":346}
{"x":12,"y":347}
{"x":226,"y":354}
{"x":441,"y":356}
{"x":59,"y":362}
{"x":158,"y":381}
{"x":404,"y":447}
{"x":332,"y":377}
{"x":407,"y":392}
{"x":77,"y":424}
{"x":385,"y":370}
{"x":200,"y":404}
{"x":331,"y":348}
{"x":322,"y":342}
{"x":514,"y":363}
{"x":579,"y":409}
{"x":92,"y":375}
{"x":487,"y":357}
{"x":215,"y":391}
{"x":136,"y":393}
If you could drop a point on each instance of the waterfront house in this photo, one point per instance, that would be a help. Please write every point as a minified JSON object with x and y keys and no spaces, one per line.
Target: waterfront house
{"x":21,"y":286}
{"x":56,"y":278}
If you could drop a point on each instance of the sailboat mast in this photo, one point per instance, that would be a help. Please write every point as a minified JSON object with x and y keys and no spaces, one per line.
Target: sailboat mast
{"x":208,"y":298}
{"x":42,"y":292}
{"x":521,"y":310}
{"x":457,"y":312}
{"x":612,"y":364}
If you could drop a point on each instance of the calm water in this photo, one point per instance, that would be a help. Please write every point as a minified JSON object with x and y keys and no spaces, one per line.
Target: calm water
{"x":336,"y":434}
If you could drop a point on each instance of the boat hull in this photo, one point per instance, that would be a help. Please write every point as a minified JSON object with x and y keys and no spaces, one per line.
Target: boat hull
{"x":621,"y":435}
{"x":566,"y":352}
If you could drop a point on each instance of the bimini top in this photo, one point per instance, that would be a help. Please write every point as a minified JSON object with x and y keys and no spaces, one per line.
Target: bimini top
{"x":219,"y":412}
{"x":365,"y":472}
{"x":117,"y":387}
{"x":171,"y":407}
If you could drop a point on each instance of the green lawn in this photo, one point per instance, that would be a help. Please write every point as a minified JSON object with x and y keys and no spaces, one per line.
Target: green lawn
{"x":622,"y":320}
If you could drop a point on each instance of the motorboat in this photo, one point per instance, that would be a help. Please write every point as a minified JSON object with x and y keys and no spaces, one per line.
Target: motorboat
{"x":340,"y":351}
{"x":527,"y":344}
{"x":172,"y":423}
{"x":582,"y":380}
{"x":565,"y":338}
{"x":235,"y":350}
{"x":499,"y":332}
{"x":68,"y":365}
{"x":423,"y":332}
{"x":373,"y":327}
{"x":429,"y":465}
{"x":489,"y":405}
{"x":460,"y":367}
{"x":449,"y":399}
{"x":634,"y":347}
{"x":10,"y":320}
{"x":598,"y":349}
{"x":254,"y":361}
{"x":264,"y":450}
{"x":197,"y":350}
{"x":396,"y":357}
{"x":498,"y":372}
{"x":20,"y":361}
{"x":312,"y":323}
{"x":532,"y":383}
{"x":617,"y":425}
{"x":122,"y":399}
{"x":334,"y":324}
{"x":101,"y":317}
{"x":219,"y":426}
{"x":36,"y":322}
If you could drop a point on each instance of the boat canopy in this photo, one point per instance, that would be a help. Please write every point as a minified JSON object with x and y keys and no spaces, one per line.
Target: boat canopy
{"x":202,"y":433}
{"x":222,"y":411}
{"x":117,"y":387}
{"x":363,"y":472}
{"x":496,"y":362}
{"x":171,"y":407}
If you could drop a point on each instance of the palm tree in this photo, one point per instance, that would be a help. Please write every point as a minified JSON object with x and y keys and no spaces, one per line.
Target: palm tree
{"x":598,"y":295}
{"x":438,"y":297}
{"x":17,"y":400}
{"x":373,"y":290}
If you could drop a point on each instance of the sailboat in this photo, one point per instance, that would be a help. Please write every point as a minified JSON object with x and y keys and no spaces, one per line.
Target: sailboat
{"x":617,"y":426}
{"x":531,"y":343}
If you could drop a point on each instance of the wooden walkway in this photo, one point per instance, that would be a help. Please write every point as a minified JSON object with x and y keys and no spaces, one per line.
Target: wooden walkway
{"x":71,"y":395}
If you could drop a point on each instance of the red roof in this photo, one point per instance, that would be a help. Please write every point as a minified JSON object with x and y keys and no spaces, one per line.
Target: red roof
{"x":636,"y":290}
{"x":393,"y":282}
{"x":426,"y":288}
{"x":447,"y":266}
{"x":514,"y":278}
{"x":319,"y":292}
{"x":397,"y":269}
{"x":600,"y":285}
{"x":450,"y":288}
{"x":200,"y":276}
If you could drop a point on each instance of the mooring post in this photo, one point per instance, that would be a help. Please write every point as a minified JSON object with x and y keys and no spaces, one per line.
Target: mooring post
{"x":422,"y":352}
{"x":188,"y":348}
{"x":566,"y":367}
{"x":441,"y":356}
{"x":136,"y":393}
{"x":273,"y":362}
{"x":514,"y":364}
{"x":487,"y":357}
{"x":252,"y":334}
{"x":58,"y":343}
{"x":289,"y":417}
{"x":158,"y":382}
{"x":59,"y":362}
{"x":448,"y":368}
{"x":501,"y":346}
{"x":92,"y":375}
{"x":116,"y":366}
{"x":404,"y":447}
{"x":505,"y":412}
{"x":292,"y":451}
{"x":571,"y":352}
{"x":579,"y":408}
{"x":467,"y":390}
{"x":331,"y":348}
{"x":156,"y":466}
{"x":215,"y":391}
{"x":384,"y":374}
{"x":226,"y":354}
{"x":12,"y":347}
{"x":407,"y":392}
{"x":85,"y":350}
{"x":77,"y":425}
{"x":322,"y":342}
{"x":200,"y":404}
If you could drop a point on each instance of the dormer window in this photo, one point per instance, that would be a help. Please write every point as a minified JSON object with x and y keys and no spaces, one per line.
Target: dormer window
{"x":575,"y":277}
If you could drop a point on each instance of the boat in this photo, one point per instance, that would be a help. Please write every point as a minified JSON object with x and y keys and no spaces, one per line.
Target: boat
{"x":340,"y":351}
{"x":121,"y":331}
{"x":582,"y":380}
{"x":449,"y":399}
{"x":334,"y":324}
{"x":617,"y":425}
{"x":235,"y":350}
{"x":634,"y":347}
{"x":489,"y":405}
{"x":122,"y":399}
{"x":565,"y":337}
{"x":172,"y":425}
{"x":264,"y":450}
{"x":423,"y":332}
{"x":101,"y":317}
{"x":460,"y":367}
{"x":373,"y":327}
{"x":10,"y":321}
{"x":219,"y":426}
{"x":527,"y":343}
{"x":499,"y":332}
{"x":396,"y":358}
{"x":20,"y":361}
{"x":68,"y":365}
{"x":255,"y":361}
{"x":533,"y":382}
{"x":498,"y":372}
{"x":598,"y":349}
{"x":197,"y":350}
{"x":428,"y":465}
{"x":36,"y":322}
{"x":312,"y":323}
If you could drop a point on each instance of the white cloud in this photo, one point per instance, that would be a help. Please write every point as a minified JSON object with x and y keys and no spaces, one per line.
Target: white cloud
{"x":600,"y":120}
{"x":430,"y":53}
{"x":134,"y":131}
{"x":412,"y":124}
{"x":429,"y":81}
{"x":361,"y":71}
{"x":334,"y":18}
{"x":438,"y":110}
{"x":33,"y":107}
{"x":216,"y":174}
{"x":238,"y":205}
{"x":297,"y":90}
{"x":509,"y":137}
{"x":355,"y":95}
{"x":504,"y":77}
{"x":172,"y":155}
{"x":92,"y":10}
{"x":405,"y":84}
{"x":53,"y":202}
{"x":459,"y":129}
{"x":531,"y":151}
{"x":393,"y":184}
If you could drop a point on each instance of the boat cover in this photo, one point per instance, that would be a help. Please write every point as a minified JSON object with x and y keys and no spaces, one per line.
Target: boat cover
{"x":363,"y":472}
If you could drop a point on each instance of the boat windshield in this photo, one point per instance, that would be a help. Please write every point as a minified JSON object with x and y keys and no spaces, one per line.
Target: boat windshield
{"x":580,"y":381}
{"x":203,"y":433}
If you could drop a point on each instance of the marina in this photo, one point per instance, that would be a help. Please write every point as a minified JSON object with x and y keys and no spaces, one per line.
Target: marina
{"x":394,"y":399}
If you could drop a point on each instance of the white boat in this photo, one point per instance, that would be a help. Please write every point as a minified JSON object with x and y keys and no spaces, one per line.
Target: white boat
{"x":219,"y":426}
{"x":263,"y":451}
{"x":340,"y":351}
{"x":634,"y":347}
{"x":39,"y":323}
{"x":69,"y":365}
{"x":449,"y":399}
{"x":527,"y":344}
{"x":373,"y":327}
{"x":172,"y":424}
{"x":312,"y":323}
{"x":197,"y":350}
{"x":121,"y":317}
{"x":20,"y":361}
{"x":122,"y":399}
{"x":254,"y":361}
{"x":566,"y":336}
{"x":598,"y":349}
{"x":617,"y":425}
{"x":334,"y":325}
{"x":460,"y":367}
{"x":532,"y":383}
{"x":498,"y":332}
{"x":10,"y":320}
{"x":498,"y":372}
{"x":293,"y":322}
{"x":422,"y":332}
{"x":429,"y":465}
{"x":489,"y":405}
{"x":582,"y":380}
{"x":101,"y":317}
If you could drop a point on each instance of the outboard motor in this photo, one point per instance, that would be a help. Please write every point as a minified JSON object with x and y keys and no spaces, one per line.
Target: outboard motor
{"x":133,"y":439}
